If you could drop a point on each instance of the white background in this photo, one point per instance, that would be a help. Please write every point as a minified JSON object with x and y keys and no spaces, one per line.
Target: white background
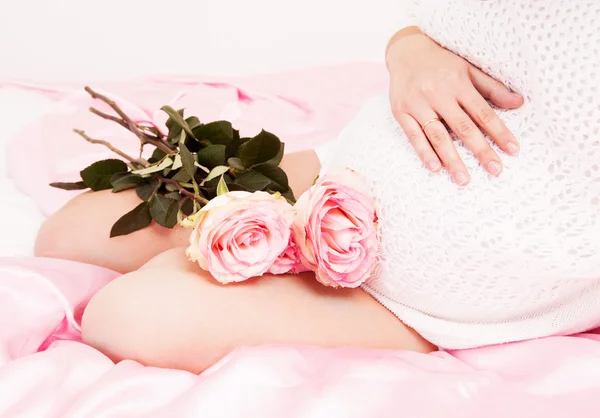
{"x":83,"y":39}
{"x":90,"y":40}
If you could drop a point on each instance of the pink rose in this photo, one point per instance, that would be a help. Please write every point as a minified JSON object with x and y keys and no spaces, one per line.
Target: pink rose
{"x":288,"y":261}
{"x":239,"y":235}
{"x":336,"y":230}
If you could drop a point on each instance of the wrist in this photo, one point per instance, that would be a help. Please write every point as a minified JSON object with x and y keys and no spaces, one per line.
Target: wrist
{"x":403,"y":43}
{"x":401,"y":34}
{"x":398,"y":38}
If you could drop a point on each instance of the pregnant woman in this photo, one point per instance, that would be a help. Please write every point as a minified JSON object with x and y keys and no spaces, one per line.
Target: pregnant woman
{"x":496,"y":240}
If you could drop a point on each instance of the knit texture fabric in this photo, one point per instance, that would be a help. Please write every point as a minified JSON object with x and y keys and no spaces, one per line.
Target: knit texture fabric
{"x":508,"y":258}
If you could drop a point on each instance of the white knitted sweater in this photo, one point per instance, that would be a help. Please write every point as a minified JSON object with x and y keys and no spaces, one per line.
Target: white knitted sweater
{"x":507,"y":258}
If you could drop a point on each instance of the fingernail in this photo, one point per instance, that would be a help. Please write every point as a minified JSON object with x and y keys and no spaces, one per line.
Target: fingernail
{"x":433,"y":165}
{"x":494,"y":168}
{"x":512,"y":148}
{"x":461,"y":178}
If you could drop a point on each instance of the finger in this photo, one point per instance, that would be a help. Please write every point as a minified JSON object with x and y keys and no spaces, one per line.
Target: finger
{"x":494,"y":90}
{"x":462,"y":125}
{"x":420,"y":143}
{"x":482,"y":113}
{"x":440,"y":140}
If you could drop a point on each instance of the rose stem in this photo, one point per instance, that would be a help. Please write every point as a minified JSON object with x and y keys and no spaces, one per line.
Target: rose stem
{"x":183,"y":190}
{"x":108,"y":145}
{"x":131,"y":125}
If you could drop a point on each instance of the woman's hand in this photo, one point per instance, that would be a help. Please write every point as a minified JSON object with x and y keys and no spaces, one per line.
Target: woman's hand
{"x":429,"y":84}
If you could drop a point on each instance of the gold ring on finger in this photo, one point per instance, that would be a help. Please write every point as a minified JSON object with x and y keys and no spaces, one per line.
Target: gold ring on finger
{"x":430,"y":121}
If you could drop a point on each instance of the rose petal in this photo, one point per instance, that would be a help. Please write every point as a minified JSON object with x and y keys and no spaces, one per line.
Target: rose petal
{"x":331,"y":228}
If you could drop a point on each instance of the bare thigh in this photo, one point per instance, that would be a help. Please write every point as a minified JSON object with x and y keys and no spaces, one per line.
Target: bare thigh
{"x":172,"y":314}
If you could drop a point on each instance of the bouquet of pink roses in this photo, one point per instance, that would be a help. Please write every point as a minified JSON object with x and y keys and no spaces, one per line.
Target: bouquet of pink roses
{"x":331,"y":230}
{"x":234,"y":195}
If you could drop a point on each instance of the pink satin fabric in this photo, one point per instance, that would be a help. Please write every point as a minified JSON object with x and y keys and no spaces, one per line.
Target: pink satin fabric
{"x":45,"y":371}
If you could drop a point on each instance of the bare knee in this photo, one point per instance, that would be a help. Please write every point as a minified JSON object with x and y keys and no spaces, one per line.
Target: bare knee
{"x":72,"y":231}
{"x":138,"y":317}
{"x":55,"y":238}
{"x":80,"y":231}
{"x":47,"y":244}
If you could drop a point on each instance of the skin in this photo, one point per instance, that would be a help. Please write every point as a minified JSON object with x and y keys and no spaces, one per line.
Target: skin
{"x":428,"y":82}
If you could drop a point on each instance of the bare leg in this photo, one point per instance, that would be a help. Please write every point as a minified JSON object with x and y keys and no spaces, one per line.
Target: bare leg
{"x":80,"y":231}
{"x":172,"y":314}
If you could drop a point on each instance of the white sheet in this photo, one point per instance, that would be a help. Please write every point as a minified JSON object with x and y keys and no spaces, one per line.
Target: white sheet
{"x":19,"y":217}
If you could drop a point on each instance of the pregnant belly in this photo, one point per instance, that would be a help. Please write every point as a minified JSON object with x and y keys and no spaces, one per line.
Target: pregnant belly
{"x":518,"y":243}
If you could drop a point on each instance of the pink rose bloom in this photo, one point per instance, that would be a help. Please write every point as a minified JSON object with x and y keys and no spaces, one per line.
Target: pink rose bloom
{"x":239,"y":235}
{"x":336,"y":230}
{"x":288,"y":261}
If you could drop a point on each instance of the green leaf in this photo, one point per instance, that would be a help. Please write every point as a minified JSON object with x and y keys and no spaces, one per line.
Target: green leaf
{"x":157,"y":155}
{"x":167,"y":162}
{"x":216,"y":172}
{"x":132,"y":221}
{"x":177,"y":164}
{"x":124,"y":181}
{"x":177,"y":119}
{"x":70,"y":186}
{"x":174,"y":129}
{"x":260,"y":149}
{"x":187,"y":159}
{"x":235,"y":144}
{"x":289,"y":195}
{"x":181,"y":176}
{"x":276,"y":174}
{"x":277,"y":159}
{"x":173,"y":195}
{"x":174,"y":133}
{"x":234,"y":187}
{"x":193,"y":122}
{"x":201,"y":167}
{"x":236,"y":163}
{"x":187,"y":207}
{"x":232,"y":148}
{"x":170,"y":124}
{"x":97,"y":176}
{"x":253,"y":180}
{"x":146,"y":189}
{"x":212,"y":156}
{"x":154,"y":131}
{"x":219,"y":132}
{"x":181,"y":137}
{"x":214,"y":182}
{"x":222,"y":187}
{"x":164,"y":210}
